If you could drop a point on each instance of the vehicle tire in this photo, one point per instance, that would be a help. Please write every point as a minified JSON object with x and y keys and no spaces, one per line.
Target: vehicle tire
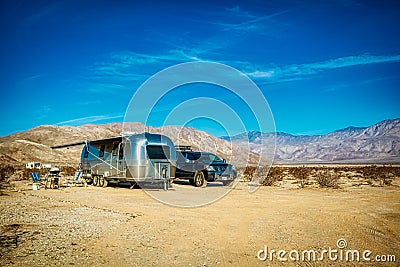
{"x":227,"y":183}
{"x":95,"y":180}
{"x":105,"y":182}
{"x":101,"y":181}
{"x":199,"y":180}
{"x":191,"y":181}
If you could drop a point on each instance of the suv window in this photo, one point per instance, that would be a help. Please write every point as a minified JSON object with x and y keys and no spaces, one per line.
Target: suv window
{"x":193,"y":156}
{"x":201,"y":157}
{"x":208,"y":157}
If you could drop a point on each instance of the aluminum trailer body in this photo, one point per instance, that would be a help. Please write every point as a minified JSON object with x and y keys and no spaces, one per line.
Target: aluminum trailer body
{"x":137,"y":158}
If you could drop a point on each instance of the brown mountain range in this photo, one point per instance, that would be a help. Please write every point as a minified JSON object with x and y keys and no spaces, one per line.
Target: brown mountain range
{"x":34,"y":144}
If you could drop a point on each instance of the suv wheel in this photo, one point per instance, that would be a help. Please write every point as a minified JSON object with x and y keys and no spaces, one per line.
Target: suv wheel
{"x":226,"y":183}
{"x":199,"y":179}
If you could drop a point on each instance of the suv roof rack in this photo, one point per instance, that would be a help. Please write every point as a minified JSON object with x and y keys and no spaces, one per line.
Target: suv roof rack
{"x":184,"y":148}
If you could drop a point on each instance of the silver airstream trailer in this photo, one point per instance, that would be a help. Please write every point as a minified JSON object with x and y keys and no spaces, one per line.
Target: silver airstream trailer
{"x":137,"y":158}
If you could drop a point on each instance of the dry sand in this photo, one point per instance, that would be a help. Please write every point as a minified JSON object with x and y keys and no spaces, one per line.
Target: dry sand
{"x":118,"y":226}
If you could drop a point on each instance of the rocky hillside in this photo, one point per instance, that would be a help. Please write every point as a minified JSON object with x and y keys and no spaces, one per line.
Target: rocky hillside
{"x":377,"y":143}
{"x":34,"y":144}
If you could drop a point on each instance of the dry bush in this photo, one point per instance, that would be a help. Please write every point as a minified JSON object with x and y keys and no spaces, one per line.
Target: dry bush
{"x":68,"y":170}
{"x":6,"y":171}
{"x":301,"y":173}
{"x":275,"y":174}
{"x":14,"y":173}
{"x":384,"y":175}
{"x":246,"y":173}
{"x":327,"y":178}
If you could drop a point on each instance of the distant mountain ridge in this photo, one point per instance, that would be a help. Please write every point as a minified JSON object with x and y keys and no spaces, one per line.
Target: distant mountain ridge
{"x":377,"y":143}
{"x":34,"y":144}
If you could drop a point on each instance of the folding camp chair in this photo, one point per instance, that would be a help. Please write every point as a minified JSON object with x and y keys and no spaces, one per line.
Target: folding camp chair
{"x":78,"y":179}
{"x":37,"y":180}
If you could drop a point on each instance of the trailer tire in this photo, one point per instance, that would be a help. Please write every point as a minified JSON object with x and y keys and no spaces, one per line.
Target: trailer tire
{"x":199,"y":179}
{"x":95,"y":180}
{"x":101,"y":181}
{"x":105,"y":182}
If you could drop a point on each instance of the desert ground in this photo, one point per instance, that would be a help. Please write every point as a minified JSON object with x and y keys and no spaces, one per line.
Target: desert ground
{"x":119,"y":226}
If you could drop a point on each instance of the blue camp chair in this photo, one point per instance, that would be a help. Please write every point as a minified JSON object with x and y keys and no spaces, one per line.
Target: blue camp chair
{"x":78,"y":176}
{"x":36,"y":179}
{"x":77,"y":179}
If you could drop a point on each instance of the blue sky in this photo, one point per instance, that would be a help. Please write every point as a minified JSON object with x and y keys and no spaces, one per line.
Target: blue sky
{"x":321,"y":65}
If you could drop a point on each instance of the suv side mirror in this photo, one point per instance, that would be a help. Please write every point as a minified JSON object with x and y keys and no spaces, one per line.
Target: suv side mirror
{"x":224,"y":160}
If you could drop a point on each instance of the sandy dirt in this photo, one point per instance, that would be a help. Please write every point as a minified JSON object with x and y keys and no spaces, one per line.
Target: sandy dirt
{"x":118,"y":226}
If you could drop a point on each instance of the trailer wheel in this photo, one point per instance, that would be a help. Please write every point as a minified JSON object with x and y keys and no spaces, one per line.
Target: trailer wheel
{"x":101,"y":181}
{"x":104,"y":182}
{"x":95,"y":180}
{"x":199,"y":179}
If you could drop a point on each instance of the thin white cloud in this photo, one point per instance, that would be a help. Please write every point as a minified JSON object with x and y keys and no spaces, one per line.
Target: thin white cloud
{"x":351,"y":61}
{"x":253,"y":23}
{"x":90,"y":119}
{"x":126,"y":59}
{"x":128,"y":66}
{"x":239,"y":12}
{"x":43,"y":112}
{"x":297,"y":71}
{"x":33,"y":77}
{"x":105,"y":87}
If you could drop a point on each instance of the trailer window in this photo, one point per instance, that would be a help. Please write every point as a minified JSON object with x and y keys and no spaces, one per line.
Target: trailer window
{"x":158,"y":152}
{"x":115,"y":149}
{"x":121,"y":152}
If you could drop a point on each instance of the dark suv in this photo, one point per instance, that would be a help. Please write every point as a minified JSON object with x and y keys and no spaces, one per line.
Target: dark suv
{"x":202,"y":167}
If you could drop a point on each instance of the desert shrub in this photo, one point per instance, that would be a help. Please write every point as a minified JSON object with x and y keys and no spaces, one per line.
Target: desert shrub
{"x":327,"y":178}
{"x":275,"y":174}
{"x":301,"y":173}
{"x":68,"y":170}
{"x":246,"y":173}
{"x":382,"y":174}
{"x":6,"y":171}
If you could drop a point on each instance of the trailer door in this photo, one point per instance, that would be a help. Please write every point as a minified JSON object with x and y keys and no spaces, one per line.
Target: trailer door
{"x":117,"y":162}
{"x":159,"y":156}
